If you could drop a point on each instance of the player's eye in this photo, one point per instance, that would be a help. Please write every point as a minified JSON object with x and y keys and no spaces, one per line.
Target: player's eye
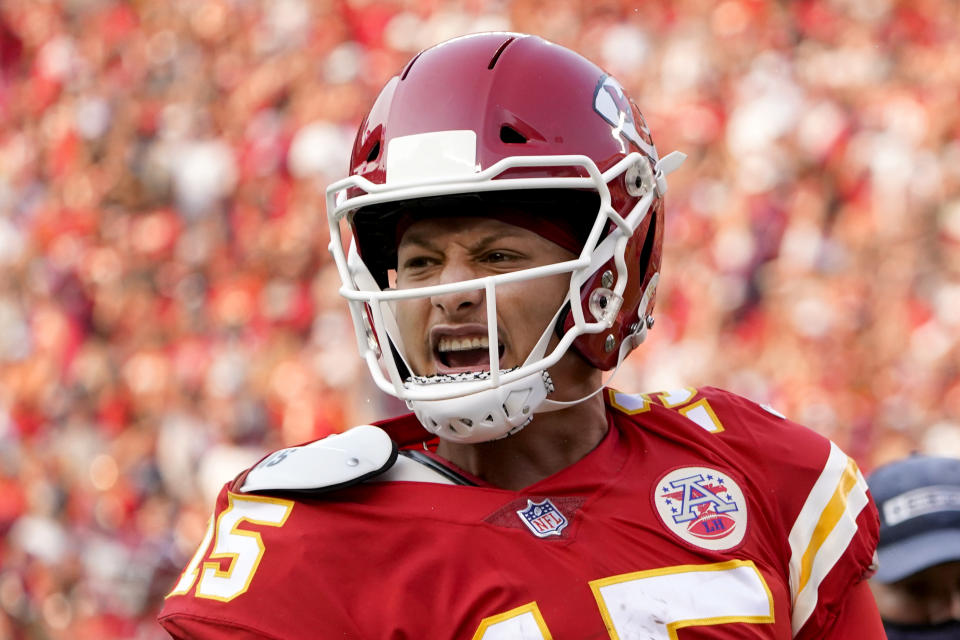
{"x":416,"y":262}
{"x":500,"y":256}
{"x":918,"y":590}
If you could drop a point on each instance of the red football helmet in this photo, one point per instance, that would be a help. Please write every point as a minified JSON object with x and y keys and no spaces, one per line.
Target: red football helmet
{"x":505,"y":118}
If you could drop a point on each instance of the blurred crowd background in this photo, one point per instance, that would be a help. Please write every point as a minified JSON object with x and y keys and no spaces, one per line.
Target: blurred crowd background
{"x":168,"y":309}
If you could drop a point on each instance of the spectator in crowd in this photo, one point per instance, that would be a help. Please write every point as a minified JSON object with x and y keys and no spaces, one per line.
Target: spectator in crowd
{"x":917,"y":586}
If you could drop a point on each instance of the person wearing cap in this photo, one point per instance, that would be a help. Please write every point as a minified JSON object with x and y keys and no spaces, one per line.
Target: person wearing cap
{"x":917,"y":585}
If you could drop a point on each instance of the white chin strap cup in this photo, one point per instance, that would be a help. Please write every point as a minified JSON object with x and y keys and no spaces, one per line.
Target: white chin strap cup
{"x":484,"y":415}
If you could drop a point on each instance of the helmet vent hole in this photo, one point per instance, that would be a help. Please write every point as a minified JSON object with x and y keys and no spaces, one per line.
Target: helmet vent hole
{"x":403,"y":76}
{"x":374,"y":152}
{"x":509,"y":135}
{"x":499,"y":52}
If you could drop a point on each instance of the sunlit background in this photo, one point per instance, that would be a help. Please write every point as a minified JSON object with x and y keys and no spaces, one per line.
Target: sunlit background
{"x":168,"y":310}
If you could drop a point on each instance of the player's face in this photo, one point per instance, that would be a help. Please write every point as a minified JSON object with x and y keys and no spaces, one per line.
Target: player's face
{"x":931,"y":596}
{"x":447,"y":333}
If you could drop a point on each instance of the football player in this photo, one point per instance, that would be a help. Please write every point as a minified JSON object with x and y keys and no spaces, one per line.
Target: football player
{"x":505,"y":208}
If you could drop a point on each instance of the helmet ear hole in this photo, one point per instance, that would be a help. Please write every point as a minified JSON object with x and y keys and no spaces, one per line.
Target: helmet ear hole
{"x":374,"y":152}
{"x":647,"y":251}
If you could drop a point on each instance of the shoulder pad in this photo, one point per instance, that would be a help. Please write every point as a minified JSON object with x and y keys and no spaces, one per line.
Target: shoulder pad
{"x":334,"y":462}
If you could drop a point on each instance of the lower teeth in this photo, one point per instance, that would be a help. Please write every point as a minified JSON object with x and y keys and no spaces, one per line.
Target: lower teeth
{"x":456,"y":377}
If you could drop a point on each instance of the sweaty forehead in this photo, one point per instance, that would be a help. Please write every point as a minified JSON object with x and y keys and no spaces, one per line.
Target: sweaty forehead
{"x":493,"y":223}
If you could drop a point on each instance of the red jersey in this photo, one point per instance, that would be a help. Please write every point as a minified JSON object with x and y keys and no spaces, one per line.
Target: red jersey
{"x":699,"y":515}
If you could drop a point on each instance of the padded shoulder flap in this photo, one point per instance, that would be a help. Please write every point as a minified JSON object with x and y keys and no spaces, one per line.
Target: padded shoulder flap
{"x":334,"y":462}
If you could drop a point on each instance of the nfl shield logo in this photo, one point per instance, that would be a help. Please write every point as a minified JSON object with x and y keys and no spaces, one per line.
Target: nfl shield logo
{"x":542,"y":518}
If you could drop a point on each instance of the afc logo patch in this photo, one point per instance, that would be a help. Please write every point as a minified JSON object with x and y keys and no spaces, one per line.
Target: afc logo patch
{"x":542,"y":518}
{"x":702,"y":506}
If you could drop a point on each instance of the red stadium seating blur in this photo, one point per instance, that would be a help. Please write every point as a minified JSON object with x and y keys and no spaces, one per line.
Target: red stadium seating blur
{"x":168,"y":309}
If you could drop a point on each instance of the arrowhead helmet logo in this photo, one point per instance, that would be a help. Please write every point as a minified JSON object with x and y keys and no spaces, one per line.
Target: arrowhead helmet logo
{"x":610,"y":101}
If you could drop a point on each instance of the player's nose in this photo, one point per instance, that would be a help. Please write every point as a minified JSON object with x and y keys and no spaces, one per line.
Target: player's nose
{"x":462,"y":300}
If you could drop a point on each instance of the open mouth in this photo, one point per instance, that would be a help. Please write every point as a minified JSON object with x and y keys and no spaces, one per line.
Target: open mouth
{"x":454,"y":354}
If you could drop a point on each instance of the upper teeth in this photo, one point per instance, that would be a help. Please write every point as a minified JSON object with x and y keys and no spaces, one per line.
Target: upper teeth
{"x":464,"y":343}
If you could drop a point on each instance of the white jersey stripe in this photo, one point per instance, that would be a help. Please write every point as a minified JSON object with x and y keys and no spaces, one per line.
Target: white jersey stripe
{"x":831,"y":551}
{"x":823,"y":529}
{"x":803,"y":528}
{"x":831,"y":515}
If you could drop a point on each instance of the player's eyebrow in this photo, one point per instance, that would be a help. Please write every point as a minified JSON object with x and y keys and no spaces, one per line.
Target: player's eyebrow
{"x":413,"y":238}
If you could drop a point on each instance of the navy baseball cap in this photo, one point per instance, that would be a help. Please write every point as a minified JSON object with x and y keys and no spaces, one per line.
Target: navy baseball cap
{"x":919,"y":503}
